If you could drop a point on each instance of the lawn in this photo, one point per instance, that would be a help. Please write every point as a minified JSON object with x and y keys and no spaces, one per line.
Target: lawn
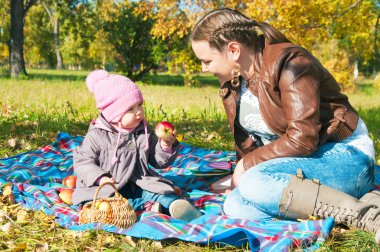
{"x":34,"y":109}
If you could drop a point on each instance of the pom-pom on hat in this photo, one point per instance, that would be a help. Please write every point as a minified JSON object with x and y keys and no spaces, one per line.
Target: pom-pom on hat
{"x":114,"y":94}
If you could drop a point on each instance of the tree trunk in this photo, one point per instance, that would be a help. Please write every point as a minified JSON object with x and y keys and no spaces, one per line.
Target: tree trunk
{"x":375,"y":49}
{"x":16,"y":43}
{"x":54,"y":18}
{"x":56,"y":44}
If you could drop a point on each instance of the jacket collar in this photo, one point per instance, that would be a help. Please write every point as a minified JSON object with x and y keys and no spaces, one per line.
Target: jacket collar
{"x":102,"y":123}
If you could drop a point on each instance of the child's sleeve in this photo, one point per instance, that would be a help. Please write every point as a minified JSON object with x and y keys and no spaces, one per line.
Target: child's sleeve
{"x":86,"y":161}
{"x":158,"y":157}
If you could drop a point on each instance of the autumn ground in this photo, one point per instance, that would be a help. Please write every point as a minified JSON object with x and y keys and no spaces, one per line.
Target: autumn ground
{"x":34,"y":109}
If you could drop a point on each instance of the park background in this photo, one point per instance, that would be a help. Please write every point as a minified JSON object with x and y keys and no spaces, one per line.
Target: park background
{"x":48,"y":47}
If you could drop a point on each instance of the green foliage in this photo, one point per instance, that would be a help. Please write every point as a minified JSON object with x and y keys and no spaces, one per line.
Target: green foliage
{"x":342,"y":71}
{"x":129,"y":35}
{"x":78,"y":29}
{"x":337,"y":61}
{"x":119,"y":35}
{"x":4,"y":31}
{"x":38,"y":32}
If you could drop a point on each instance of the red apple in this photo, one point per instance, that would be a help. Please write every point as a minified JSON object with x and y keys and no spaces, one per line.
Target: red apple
{"x":66,"y":195}
{"x":70,"y":181}
{"x":164,"y":129}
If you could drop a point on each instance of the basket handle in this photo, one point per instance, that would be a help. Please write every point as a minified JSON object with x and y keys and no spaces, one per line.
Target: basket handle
{"x":100,"y":187}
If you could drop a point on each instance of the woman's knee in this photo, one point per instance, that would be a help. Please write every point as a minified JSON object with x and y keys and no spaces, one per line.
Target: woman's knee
{"x":237,"y":207}
{"x":231,"y":204}
{"x":260,"y":187}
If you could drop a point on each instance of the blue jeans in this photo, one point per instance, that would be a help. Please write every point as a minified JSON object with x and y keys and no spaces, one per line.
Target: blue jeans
{"x":336,"y":165}
{"x":137,"y":197}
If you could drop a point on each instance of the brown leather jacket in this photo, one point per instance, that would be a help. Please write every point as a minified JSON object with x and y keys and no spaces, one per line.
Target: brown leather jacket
{"x":298,"y":99}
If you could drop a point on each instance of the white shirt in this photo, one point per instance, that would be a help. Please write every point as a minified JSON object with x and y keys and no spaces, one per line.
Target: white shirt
{"x":250,"y":118}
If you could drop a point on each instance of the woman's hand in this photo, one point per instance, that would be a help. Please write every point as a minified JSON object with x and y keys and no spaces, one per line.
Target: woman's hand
{"x":177,"y":190}
{"x":239,"y":170}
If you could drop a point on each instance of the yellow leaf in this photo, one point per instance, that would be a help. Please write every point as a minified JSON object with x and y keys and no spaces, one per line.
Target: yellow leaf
{"x":22,"y":216}
{"x":180,"y":137}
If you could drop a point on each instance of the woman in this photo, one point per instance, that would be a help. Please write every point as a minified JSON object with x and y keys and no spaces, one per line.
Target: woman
{"x":302,"y":149}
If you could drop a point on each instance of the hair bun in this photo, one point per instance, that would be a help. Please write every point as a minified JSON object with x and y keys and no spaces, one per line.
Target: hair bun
{"x":94,"y":77}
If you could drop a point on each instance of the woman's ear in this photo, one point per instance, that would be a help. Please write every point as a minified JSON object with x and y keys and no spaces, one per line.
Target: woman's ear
{"x":234,"y":50}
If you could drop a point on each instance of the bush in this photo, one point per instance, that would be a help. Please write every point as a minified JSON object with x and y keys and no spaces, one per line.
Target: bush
{"x":342,"y":71}
{"x":4,"y":72}
{"x":336,"y":60}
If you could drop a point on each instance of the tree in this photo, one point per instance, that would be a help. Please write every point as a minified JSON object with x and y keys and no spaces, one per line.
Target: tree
{"x":129,"y":34}
{"x":4,"y":32}
{"x":19,"y":8}
{"x":342,"y":26}
{"x":39,"y":39}
{"x":173,"y":21}
{"x":54,"y":17}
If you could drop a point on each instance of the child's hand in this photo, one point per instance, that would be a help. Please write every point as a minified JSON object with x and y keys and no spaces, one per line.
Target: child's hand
{"x":106,"y":179}
{"x":167,"y":142}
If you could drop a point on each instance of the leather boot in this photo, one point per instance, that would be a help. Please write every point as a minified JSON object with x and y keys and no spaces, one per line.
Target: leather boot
{"x":304,"y":198}
{"x":372,"y":197}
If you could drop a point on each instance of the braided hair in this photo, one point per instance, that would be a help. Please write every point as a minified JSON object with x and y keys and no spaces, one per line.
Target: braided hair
{"x":220,"y":26}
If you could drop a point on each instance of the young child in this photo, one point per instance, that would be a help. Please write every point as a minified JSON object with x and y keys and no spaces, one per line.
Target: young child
{"x":118,"y":147}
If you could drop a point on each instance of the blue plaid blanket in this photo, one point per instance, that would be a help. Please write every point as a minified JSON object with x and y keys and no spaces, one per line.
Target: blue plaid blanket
{"x":37,"y":176}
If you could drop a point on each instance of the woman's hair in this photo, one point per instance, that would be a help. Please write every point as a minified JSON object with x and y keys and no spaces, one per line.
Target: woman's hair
{"x":220,"y":26}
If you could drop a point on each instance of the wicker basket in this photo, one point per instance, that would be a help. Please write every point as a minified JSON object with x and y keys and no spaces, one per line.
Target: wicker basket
{"x":118,"y":213}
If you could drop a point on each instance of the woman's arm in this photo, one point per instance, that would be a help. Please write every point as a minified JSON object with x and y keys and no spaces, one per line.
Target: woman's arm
{"x":298,"y":83}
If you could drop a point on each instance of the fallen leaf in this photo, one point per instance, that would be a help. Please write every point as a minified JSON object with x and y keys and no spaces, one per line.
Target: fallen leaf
{"x":12,"y":142}
{"x":130,"y":241}
{"x":6,"y":228}
{"x":20,"y":247}
{"x":22,"y":216}
{"x":10,"y":199}
{"x":6,"y":110}
{"x":157,"y":244}
{"x":7,"y":189}
{"x":42,"y":247}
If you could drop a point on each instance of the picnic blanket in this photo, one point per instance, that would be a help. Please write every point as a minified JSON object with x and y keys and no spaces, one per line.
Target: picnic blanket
{"x":37,"y":175}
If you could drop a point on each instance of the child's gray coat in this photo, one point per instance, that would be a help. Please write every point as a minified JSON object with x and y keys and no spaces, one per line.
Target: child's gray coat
{"x":93,"y":158}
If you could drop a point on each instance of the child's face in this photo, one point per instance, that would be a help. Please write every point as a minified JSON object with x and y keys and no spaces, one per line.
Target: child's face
{"x":133,"y":117}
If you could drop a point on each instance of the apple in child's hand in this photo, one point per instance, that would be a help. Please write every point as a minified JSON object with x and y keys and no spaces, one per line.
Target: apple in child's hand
{"x":164,"y":129}
{"x":70,"y":181}
{"x":66,"y":195}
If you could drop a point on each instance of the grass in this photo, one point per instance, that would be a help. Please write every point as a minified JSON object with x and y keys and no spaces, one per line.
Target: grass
{"x":34,"y":109}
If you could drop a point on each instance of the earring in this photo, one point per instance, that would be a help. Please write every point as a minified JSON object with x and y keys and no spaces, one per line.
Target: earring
{"x":235,"y":82}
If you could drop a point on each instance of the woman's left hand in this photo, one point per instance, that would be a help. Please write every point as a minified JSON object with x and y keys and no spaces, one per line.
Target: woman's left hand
{"x":239,"y":170}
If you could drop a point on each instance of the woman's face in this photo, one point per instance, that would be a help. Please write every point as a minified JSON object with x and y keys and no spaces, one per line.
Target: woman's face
{"x":221,"y":64}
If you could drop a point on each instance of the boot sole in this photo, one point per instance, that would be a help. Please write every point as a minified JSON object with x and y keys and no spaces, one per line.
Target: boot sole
{"x":183,"y":210}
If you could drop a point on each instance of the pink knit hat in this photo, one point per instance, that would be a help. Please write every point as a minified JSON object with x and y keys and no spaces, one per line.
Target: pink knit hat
{"x":114,"y":94}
